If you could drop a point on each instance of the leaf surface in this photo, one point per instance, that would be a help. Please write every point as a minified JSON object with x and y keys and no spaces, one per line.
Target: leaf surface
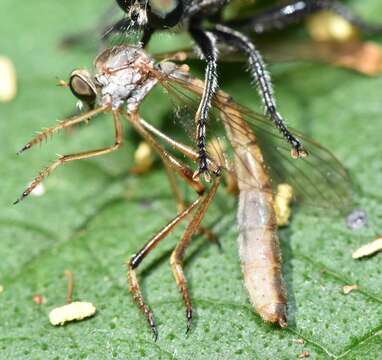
{"x":94,"y":215}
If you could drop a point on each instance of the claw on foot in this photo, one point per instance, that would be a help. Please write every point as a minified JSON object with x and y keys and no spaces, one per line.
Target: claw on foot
{"x":204,"y":172}
{"x":22,"y":197}
{"x":153,"y":325}
{"x":155,"y":332}
{"x":299,"y":152}
{"x":189,"y":320}
{"x":25,"y":147}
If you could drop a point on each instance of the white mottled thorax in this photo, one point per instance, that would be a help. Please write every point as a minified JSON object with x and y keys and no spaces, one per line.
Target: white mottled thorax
{"x":124,"y":76}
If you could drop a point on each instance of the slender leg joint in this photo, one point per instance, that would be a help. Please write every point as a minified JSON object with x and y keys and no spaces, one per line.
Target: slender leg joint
{"x":138,"y":298}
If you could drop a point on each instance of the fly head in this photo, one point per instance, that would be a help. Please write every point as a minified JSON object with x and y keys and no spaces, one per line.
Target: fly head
{"x":83,"y":87}
{"x":156,"y":14}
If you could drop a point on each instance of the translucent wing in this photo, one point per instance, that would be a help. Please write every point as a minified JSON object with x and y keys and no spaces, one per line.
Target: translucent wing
{"x":122,"y":33}
{"x":319,"y":179}
{"x":112,"y":28}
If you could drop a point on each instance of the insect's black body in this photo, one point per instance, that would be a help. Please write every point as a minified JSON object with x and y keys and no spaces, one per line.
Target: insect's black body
{"x":203,"y":21}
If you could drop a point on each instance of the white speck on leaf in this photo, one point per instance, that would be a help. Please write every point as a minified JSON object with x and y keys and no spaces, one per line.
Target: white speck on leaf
{"x":368,"y":249}
{"x":8,"y":87}
{"x":77,"y":310}
{"x":347,"y":289}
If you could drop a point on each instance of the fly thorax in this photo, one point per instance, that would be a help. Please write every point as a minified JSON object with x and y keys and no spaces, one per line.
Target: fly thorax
{"x":118,"y":86}
{"x":139,"y":93}
{"x":124,"y":76}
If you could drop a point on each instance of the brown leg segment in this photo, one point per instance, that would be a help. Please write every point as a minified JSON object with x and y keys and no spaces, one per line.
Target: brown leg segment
{"x":79,"y":156}
{"x":64,"y":124}
{"x":172,"y":164}
{"x":178,"y":254}
{"x":181,"y":204}
{"x":136,"y":259}
{"x":188,"y":152}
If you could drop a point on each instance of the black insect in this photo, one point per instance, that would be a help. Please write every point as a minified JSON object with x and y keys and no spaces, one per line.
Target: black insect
{"x":203,"y":21}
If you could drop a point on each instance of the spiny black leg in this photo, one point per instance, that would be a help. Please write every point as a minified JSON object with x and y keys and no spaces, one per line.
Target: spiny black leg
{"x":280,"y":16}
{"x":262,"y":79}
{"x":206,"y":41}
{"x":147,"y":32}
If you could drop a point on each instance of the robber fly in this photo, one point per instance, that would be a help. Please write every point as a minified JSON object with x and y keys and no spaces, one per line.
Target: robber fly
{"x":203,"y":20}
{"x":124,"y":75}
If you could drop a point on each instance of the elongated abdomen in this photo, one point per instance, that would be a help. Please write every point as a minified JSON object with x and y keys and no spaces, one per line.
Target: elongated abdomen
{"x":260,"y":256}
{"x":258,"y":239}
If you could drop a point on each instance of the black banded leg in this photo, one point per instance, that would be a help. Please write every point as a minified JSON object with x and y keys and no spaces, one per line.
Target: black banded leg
{"x":281,"y":16}
{"x":206,"y":41}
{"x":262,"y":79}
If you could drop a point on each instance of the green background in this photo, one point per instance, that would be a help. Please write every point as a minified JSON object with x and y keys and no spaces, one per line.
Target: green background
{"x":94,"y":215}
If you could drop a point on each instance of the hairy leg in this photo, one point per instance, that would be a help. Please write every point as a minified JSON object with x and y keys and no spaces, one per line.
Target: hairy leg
{"x":137,"y":258}
{"x":65,"y":124}
{"x":172,"y":164}
{"x":262,"y":80}
{"x":178,"y":254}
{"x":207,"y":44}
{"x":79,"y":156}
{"x":188,"y":152}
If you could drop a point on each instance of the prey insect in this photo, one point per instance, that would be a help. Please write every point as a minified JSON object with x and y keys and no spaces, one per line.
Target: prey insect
{"x":124,"y":75}
{"x":204,"y":21}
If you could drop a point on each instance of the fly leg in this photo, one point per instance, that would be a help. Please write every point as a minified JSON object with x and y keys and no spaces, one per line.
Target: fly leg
{"x":207,"y":44}
{"x":79,"y":156}
{"x":181,"y":169}
{"x":181,"y":203}
{"x":45,"y":133}
{"x":137,"y":258}
{"x":281,"y":16}
{"x":187,"y":174}
{"x":193,"y":226}
{"x":262,"y":79}
{"x":178,"y":254}
{"x":191,"y":154}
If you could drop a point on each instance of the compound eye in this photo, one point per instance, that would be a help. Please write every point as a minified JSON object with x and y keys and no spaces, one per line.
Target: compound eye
{"x":82,"y":87}
{"x":166,"y":13}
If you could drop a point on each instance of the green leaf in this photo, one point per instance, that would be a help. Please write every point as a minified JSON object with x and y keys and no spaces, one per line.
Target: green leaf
{"x":94,"y":215}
